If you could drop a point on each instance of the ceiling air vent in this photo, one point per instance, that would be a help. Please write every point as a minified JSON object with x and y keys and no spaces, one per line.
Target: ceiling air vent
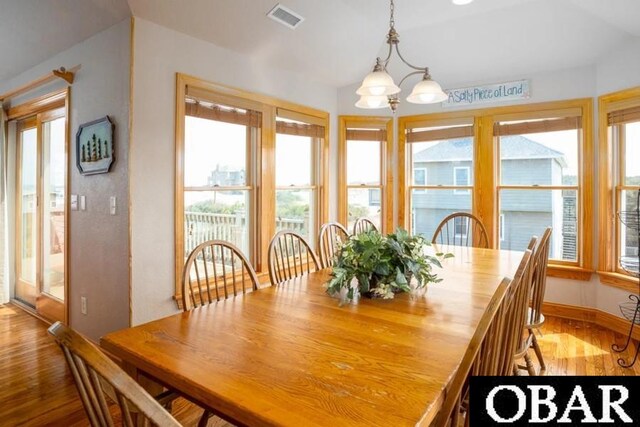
{"x":285,"y":16}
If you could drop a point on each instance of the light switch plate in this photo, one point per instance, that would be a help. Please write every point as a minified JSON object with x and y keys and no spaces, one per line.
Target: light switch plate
{"x":112,"y":205}
{"x":83,"y":203}
{"x":74,"y":202}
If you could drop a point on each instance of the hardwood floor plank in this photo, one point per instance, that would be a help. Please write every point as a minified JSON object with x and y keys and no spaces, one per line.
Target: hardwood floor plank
{"x":37,"y":388}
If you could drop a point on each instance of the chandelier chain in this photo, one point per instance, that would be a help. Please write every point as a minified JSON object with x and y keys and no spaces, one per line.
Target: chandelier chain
{"x":392,"y":21}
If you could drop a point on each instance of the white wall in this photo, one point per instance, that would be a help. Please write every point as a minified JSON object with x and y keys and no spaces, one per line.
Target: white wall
{"x":98,"y":242}
{"x":548,"y":86}
{"x":620,"y":69}
{"x":159,"y":54}
{"x":617,"y":70}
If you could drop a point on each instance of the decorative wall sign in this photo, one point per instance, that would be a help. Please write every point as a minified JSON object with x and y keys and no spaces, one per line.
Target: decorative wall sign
{"x":94,"y":146}
{"x":487,"y":93}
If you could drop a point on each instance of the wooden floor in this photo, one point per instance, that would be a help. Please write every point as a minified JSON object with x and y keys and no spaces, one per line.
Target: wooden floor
{"x":37,"y":389}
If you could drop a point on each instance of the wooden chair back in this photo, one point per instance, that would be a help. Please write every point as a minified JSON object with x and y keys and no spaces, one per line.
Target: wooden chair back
{"x":332,"y":234}
{"x":290,"y":256}
{"x":491,"y":350}
{"x":215,"y":270}
{"x":517,"y":304}
{"x":461,"y":229}
{"x":539,"y":280}
{"x":99,"y":380}
{"x":362,"y":225}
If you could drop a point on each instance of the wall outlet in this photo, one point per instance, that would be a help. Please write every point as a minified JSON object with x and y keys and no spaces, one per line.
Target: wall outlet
{"x":83,"y":305}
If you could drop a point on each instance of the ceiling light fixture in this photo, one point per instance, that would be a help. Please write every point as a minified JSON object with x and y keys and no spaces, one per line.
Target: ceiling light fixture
{"x":461,"y":2}
{"x":378,"y":89}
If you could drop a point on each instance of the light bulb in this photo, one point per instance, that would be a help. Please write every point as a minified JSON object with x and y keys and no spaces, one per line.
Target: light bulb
{"x":372,"y":102}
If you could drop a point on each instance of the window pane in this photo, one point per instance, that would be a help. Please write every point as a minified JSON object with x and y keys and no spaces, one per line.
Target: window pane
{"x":363,"y":162}
{"x":632,"y":154}
{"x":439,"y":158}
{"x":29,"y":210}
{"x":428,"y":209}
{"x":293,"y":160}
{"x":528,"y":212}
{"x":549,"y":158}
{"x":628,"y":236}
{"x":220,"y":215}
{"x":293,"y":208}
{"x":364,"y":202}
{"x":53,"y":180}
{"x":215,"y":153}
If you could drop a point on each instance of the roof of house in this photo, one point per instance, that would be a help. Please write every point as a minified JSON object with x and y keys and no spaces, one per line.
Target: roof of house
{"x":511,"y":147}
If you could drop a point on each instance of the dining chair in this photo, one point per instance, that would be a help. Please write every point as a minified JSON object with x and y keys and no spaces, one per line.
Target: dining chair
{"x":332,"y":234}
{"x":522,"y":338}
{"x":490,"y":352}
{"x":535,"y":318}
{"x":290,"y":256}
{"x":461,"y":229}
{"x":215,"y":270}
{"x":362,"y":225}
{"x":100,"y":381}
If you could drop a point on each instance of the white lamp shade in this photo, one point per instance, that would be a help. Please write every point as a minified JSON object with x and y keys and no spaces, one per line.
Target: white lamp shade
{"x":378,"y":83}
{"x":427,"y":92}
{"x":372,"y":102}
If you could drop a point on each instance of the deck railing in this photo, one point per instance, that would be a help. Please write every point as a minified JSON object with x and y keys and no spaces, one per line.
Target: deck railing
{"x":203,"y":226}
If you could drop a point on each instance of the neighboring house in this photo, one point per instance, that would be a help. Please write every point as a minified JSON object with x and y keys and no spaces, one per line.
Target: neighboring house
{"x":523,"y":213}
{"x":225,"y":177}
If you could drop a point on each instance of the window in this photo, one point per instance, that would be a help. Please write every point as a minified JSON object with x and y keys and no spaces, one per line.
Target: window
{"x":461,"y":177}
{"x":539,"y":179}
{"x":460,"y":226}
{"x":218,"y":189}
{"x":297,"y":153}
{"x":420,"y":176}
{"x":519,"y":169}
{"x":444,"y":154}
{"x":246,"y":166}
{"x":619,"y":186}
{"x":363,"y":154}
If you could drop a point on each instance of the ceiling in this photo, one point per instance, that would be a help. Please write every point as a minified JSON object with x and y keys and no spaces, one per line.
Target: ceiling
{"x":339,"y":39}
{"x":32,"y":31}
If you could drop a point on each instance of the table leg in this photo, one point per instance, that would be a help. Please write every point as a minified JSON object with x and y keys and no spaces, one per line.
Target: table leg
{"x":152,"y":387}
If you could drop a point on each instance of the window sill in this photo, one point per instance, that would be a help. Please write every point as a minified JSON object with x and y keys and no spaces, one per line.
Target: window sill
{"x":569,"y":272}
{"x":618,"y":280}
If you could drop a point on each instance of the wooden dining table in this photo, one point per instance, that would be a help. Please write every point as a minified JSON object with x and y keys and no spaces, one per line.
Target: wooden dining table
{"x":291,"y":355}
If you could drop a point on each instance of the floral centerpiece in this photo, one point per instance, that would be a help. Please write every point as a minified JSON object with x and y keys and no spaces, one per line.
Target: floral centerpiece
{"x":378,"y":266}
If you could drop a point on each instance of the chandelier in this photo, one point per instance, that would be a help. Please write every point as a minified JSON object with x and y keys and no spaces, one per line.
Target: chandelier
{"x":378,"y":89}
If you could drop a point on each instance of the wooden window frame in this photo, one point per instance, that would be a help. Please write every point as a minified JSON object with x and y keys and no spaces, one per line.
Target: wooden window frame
{"x":610,"y":180}
{"x":455,"y":122}
{"x":485,"y":180}
{"x":552,"y":120}
{"x":315,"y":169}
{"x":264,"y":217}
{"x":384,"y":124}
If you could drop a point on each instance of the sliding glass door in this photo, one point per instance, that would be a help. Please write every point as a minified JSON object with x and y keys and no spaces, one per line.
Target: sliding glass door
{"x":41,"y":213}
